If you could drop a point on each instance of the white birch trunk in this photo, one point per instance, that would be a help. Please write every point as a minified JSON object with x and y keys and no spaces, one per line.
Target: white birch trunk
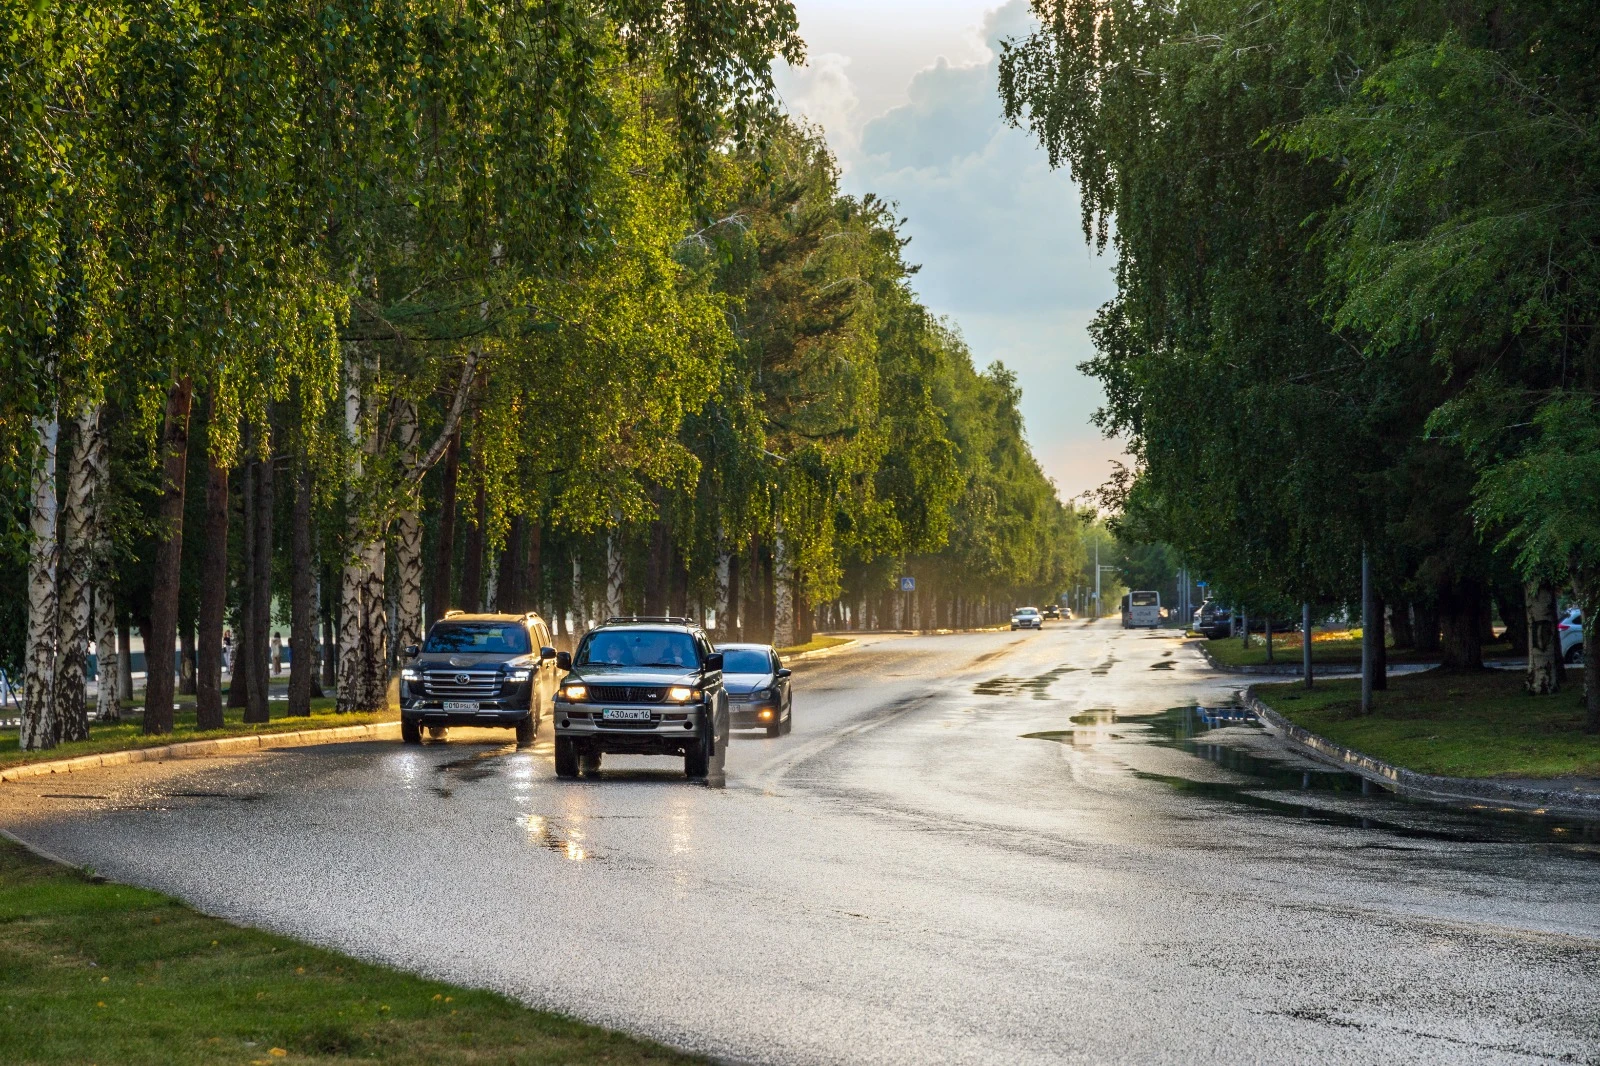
{"x":614,"y":575}
{"x":39,"y":654}
{"x":109,"y":665}
{"x":363,"y":622}
{"x":579,"y":616}
{"x":77,"y":567}
{"x":491,"y":584}
{"x":782,"y":592}
{"x":724,"y":565}
{"x":1544,"y":640}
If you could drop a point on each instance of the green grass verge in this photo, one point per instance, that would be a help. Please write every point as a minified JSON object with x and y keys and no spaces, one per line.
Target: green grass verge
{"x":1460,"y":725}
{"x":815,"y":644}
{"x":127,"y":733}
{"x":103,"y":973}
{"x":1335,"y":651}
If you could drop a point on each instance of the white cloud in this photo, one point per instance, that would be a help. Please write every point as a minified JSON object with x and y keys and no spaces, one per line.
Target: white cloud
{"x":997,"y":233}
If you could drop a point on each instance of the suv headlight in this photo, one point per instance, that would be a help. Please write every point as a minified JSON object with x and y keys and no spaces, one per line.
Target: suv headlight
{"x":575,"y":693}
{"x":681,"y":694}
{"x":519,"y":675}
{"x":410,"y":673}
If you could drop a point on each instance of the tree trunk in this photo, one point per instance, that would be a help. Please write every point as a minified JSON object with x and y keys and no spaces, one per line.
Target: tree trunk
{"x":533,"y":568}
{"x":1587,"y":587}
{"x":445,"y":551}
{"x":243,"y":643}
{"x":76,"y":572}
{"x":110,"y":661}
{"x":1268,"y":633}
{"x":1306,"y":668}
{"x":1486,"y":634}
{"x":363,"y":632}
{"x":408,"y":539}
{"x":472,"y":546}
{"x":1544,"y":641}
{"x":125,"y":653}
{"x":731,"y":628}
{"x":783,"y":631}
{"x":1512,"y":603}
{"x":302,"y":605}
{"x":330,"y":637}
{"x":1461,"y":625}
{"x":259,"y":707}
{"x":213,"y":593}
{"x":186,"y":658}
{"x":658,"y":573}
{"x":616,"y":571}
{"x":38,"y":727}
{"x":163,"y":635}
{"x":1400,"y":625}
{"x":1380,"y":647}
{"x":1427,"y":627}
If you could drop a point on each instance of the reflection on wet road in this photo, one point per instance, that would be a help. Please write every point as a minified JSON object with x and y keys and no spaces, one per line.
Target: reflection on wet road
{"x":989,"y":848}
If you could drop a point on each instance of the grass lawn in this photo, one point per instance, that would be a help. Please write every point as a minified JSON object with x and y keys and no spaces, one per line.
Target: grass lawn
{"x":817,"y":643}
{"x":126,"y":734}
{"x":1461,"y":725}
{"x":1340,"y":647}
{"x":104,"y":973}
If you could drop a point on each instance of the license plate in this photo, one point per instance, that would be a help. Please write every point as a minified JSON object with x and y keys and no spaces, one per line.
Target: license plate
{"x":461,"y":705}
{"x":625,"y":714}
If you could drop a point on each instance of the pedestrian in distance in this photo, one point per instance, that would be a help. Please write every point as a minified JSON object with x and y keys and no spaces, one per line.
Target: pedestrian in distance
{"x":277,"y":654}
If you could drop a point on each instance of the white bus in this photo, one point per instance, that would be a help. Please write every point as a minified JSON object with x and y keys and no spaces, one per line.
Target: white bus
{"x":1141,"y":609}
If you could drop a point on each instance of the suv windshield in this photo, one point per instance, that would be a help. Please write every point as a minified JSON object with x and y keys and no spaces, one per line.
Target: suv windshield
{"x":478,"y":638}
{"x":746,"y":661}
{"x":638,"y":647}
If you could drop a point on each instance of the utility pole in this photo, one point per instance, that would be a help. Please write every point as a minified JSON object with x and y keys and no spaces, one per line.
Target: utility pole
{"x":1097,"y":580}
{"x":1368,"y":635}
{"x":1305,"y":640}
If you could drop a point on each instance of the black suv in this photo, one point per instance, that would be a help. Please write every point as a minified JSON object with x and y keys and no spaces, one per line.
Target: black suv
{"x":478,"y":670}
{"x":641,"y":686}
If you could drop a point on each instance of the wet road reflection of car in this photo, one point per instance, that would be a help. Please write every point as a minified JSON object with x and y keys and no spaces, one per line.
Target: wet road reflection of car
{"x":758,"y":688}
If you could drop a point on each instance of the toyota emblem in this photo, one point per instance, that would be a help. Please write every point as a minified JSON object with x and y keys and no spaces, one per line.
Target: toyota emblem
{"x":462,"y":679}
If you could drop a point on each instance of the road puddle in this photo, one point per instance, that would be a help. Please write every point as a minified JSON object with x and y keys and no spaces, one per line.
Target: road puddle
{"x":567,"y":843}
{"x":1038,"y":686}
{"x":1230,"y":737}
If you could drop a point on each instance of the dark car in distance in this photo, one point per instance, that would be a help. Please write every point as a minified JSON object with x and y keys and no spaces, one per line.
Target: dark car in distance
{"x":641,"y":686}
{"x":495,"y":670}
{"x":1052,"y":612}
{"x":758,"y":688}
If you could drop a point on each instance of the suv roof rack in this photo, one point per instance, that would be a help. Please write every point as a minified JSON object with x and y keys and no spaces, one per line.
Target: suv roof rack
{"x":454,"y":613}
{"x":670,"y":619}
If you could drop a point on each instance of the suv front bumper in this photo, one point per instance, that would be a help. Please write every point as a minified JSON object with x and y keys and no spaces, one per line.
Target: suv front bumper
{"x":671,"y":730}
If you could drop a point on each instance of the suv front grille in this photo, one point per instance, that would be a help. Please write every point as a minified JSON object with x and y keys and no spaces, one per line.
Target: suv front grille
{"x":627,"y":694}
{"x":470,"y":684}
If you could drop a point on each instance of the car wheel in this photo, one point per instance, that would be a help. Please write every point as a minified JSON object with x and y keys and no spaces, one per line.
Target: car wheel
{"x":410,"y":731}
{"x":788,"y":720}
{"x":775,"y":727}
{"x":697,"y":761}
{"x":438,"y":733}
{"x":527,"y":729}
{"x":566,"y":757}
{"x":1574,"y":656}
{"x":589,"y":764}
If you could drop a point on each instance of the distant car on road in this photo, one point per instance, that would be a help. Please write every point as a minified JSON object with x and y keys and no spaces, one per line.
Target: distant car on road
{"x":641,"y":686}
{"x":1027,"y":618}
{"x":758,"y":688}
{"x":1213,"y":620}
{"x":1052,"y":612}
{"x":478,"y":670}
{"x":1571,"y":629}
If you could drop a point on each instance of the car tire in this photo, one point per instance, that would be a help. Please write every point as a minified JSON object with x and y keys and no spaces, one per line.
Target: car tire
{"x":788,"y":720}
{"x":566,"y":757}
{"x":1574,"y":656}
{"x":589,"y":764}
{"x":775,"y":727}
{"x":697,"y":762}
{"x":410,"y":731}
{"x":527,"y":729}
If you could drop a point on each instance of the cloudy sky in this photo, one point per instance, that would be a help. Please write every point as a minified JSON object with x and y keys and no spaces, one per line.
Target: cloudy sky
{"x":906,"y":92}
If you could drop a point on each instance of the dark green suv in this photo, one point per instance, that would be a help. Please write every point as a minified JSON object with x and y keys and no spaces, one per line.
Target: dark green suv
{"x":641,"y":686}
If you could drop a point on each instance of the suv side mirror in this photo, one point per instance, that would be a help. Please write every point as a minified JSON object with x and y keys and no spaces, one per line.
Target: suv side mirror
{"x":546,"y":654}
{"x":412,"y":651}
{"x":713,"y":663}
{"x":564,"y":660}
{"x":784,"y":671}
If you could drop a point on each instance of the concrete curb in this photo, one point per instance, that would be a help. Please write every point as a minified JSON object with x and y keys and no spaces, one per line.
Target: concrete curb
{"x":199,"y":749}
{"x":1453,"y":790}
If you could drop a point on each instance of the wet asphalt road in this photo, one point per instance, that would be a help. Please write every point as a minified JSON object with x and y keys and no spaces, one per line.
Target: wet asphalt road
{"x":907,"y":878}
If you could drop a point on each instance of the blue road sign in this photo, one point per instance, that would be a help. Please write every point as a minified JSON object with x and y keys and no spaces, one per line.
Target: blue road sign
{"x":908,"y":584}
